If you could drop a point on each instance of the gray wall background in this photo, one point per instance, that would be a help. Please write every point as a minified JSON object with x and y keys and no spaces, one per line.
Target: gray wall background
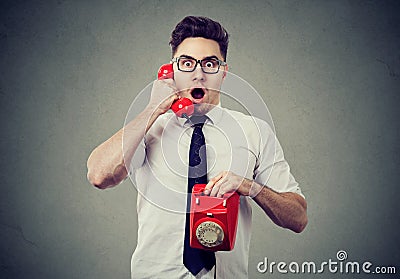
{"x":328,"y":70}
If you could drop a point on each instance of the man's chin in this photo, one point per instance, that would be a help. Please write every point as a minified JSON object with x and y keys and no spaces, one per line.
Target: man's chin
{"x":202,"y":108}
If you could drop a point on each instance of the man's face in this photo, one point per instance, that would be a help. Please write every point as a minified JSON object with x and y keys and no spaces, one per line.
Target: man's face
{"x":202,"y":88}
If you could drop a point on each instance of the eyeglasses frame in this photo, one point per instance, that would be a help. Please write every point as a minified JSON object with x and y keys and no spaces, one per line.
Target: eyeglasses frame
{"x":198,"y":62}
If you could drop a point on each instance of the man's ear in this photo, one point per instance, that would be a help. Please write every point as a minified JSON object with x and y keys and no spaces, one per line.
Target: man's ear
{"x":226,"y":70}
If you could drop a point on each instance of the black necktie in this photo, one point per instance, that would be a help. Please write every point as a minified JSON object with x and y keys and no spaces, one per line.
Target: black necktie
{"x":196,"y":259}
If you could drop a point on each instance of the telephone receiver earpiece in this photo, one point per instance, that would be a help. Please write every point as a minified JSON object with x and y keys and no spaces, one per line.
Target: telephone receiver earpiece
{"x":166,"y":71}
{"x":183,"y":107}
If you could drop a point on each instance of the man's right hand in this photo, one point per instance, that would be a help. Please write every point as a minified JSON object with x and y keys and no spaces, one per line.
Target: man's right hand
{"x":163,"y":94}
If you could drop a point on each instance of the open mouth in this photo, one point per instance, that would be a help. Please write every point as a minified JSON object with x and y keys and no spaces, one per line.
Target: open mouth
{"x":197,"y":93}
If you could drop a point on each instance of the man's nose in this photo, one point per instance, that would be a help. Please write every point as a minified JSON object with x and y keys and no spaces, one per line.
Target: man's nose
{"x":198,"y":73}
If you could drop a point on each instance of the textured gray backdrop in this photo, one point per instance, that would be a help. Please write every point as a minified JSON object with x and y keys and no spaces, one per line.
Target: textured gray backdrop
{"x":328,"y":70}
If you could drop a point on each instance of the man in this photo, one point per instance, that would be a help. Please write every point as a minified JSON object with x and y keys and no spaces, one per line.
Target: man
{"x":241,"y":152}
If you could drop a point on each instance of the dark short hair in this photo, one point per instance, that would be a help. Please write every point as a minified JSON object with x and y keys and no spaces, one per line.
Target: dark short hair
{"x":199,"y":26}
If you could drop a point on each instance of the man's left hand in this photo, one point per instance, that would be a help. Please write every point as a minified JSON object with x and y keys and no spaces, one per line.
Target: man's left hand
{"x":226,"y":182}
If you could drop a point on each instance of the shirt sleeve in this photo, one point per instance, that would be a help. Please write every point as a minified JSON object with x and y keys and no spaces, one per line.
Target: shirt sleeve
{"x":139,"y":157}
{"x":272,"y":169}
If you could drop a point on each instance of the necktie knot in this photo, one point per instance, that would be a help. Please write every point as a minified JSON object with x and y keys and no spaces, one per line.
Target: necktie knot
{"x":198,"y":120}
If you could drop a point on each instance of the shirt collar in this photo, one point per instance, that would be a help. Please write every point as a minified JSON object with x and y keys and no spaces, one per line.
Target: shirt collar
{"x":214,"y":116}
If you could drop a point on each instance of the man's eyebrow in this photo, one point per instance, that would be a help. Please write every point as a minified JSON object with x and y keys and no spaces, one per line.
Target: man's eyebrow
{"x":207,"y":57}
{"x":211,"y":57}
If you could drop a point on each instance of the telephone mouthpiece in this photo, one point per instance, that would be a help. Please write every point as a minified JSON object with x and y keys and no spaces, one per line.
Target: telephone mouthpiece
{"x":183,"y":106}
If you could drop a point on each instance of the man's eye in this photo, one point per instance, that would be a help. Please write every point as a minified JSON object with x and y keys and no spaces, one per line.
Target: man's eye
{"x":187,"y":63}
{"x":210,"y":64}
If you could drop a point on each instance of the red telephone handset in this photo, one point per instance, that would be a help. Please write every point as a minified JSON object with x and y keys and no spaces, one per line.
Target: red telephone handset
{"x":213,"y":221}
{"x":183,"y":107}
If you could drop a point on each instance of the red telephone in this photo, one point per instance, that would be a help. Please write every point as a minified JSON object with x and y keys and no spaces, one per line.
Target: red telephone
{"x":213,"y":221}
{"x":182,"y":107}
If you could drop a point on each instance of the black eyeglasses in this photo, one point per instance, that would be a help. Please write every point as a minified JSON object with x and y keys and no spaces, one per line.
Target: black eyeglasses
{"x":209,"y":65}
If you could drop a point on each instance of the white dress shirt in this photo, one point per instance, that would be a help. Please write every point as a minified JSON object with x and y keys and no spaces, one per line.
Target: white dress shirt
{"x":235,"y":142}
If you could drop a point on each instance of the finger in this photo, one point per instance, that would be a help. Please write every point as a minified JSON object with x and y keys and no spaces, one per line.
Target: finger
{"x":214,"y":190}
{"x":170,"y":83}
{"x":174,"y":97}
{"x":217,"y":186}
{"x":229,"y":184}
{"x":168,"y":101}
{"x":211,"y":183}
{"x":224,"y":187}
{"x":167,"y":80}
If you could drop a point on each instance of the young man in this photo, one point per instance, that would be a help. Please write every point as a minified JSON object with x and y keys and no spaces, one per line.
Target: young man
{"x":240,"y":153}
